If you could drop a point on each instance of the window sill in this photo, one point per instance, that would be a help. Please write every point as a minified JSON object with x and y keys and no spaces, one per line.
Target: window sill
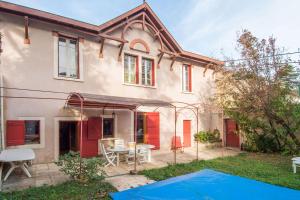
{"x":136,"y":85}
{"x":187,"y":92}
{"x":30,"y":146}
{"x":68,"y":79}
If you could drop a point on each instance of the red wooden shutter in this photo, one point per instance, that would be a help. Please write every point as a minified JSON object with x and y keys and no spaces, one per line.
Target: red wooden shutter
{"x":15,"y":132}
{"x":153,"y":73}
{"x":94,"y":128}
{"x":152,"y":129}
{"x":136,"y":70}
{"x":190,"y":78}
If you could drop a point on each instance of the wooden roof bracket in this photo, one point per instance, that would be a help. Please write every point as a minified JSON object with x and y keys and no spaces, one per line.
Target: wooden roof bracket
{"x":26,"y":35}
{"x":121,"y":46}
{"x":172,"y":63}
{"x":206,"y":67}
{"x":144,"y":22}
{"x":160,"y":56}
{"x":101,"y":48}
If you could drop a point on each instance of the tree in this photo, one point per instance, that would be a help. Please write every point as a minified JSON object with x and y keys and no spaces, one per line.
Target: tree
{"x":259,"y":92}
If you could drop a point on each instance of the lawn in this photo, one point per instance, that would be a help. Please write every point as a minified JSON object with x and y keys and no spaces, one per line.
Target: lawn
{"x":67,"y":191}
{"x":271,"y":168}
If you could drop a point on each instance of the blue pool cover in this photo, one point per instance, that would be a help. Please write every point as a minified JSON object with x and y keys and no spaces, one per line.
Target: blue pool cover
{"x":208,"y":185}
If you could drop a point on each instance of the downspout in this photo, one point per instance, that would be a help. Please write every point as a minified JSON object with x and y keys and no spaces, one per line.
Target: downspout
{"x":175,"y":135}
{"x":197,"y":116}
{"x":1,"y":100}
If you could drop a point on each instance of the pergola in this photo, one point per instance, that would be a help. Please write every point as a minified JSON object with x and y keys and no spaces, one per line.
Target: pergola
{"x":93,"y":101}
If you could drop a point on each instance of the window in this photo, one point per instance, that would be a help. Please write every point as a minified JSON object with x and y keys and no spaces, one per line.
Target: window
{"x":130,"y":69}
{"x":26,"y":132}
{"x":108,"y":127}
{"x":140,"y":128}
{"x":68,"y":58}
{"x":32,"y":132}
{"x":147,"y":72}
{"x":186,"y":78}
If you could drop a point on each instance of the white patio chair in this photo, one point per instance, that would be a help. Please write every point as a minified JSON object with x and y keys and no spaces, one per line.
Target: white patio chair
{"x":142,"y":154}
{"x":130,"y":156}
{"x":296,"y":163}
{"x":110,"y":157}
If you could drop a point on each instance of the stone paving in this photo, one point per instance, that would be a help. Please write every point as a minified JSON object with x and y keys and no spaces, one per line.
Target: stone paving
{"x":49,"y":174}
{"x":42,"y":174}
{"x":121,"y":180}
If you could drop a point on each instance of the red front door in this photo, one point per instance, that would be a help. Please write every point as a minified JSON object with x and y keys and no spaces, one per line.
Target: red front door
{"x":187,"y":133}
{"x":232,"y":138}
{"x":91,"y":133}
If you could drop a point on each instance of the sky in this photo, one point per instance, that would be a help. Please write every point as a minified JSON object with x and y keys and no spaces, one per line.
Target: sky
{"x":207,"y":27}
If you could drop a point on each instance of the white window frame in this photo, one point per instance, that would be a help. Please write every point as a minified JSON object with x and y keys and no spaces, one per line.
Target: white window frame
{"x":141,"y":72}
{"x":80,"y":61}
{"x":137,"y":57}
{"x":42,"y":134}
{"x":183,"y":78}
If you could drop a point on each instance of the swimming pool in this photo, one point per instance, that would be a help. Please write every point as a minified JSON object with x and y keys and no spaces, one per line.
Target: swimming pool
{"x":208,"y":185}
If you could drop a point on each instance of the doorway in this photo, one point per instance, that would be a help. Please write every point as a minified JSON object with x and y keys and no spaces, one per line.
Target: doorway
{"x":187,"y":133}
{"x":68,"y":137}
{"x":232,"y":137}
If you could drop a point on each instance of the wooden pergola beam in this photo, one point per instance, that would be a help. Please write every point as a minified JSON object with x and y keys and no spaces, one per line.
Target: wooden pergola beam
{"x":109,"y":37}
{"x":101,"y":48}
{"x":26,"y":35}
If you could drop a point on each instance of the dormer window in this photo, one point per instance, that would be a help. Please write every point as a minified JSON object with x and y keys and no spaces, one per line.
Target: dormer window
{"x":68,"y":58}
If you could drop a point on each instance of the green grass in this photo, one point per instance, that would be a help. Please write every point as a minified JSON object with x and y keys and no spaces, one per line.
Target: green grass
{"x":68,"y":190}
{"x":271,"y":168}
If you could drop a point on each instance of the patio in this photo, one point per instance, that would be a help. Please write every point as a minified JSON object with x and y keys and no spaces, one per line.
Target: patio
{"x":49,"y":174}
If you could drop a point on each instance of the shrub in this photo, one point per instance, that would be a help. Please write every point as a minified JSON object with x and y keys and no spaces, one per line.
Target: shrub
{"x":208,"y":136}
{"x":81,"y":168}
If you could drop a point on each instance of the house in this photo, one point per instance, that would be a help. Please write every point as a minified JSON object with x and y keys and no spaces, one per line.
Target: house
{"x":65,"y":83}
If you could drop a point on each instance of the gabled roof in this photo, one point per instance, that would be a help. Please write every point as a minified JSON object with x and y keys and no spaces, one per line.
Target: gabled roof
{"x":143,"y":12}
{"x":151,"y":17}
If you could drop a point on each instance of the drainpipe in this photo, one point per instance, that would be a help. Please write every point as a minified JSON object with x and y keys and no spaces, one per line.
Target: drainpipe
{"x":175,"y":136}
{"x":1,"y":99}
{"x":197,"y":116}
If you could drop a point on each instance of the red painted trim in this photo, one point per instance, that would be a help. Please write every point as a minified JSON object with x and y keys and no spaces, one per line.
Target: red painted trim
{"x":153,"y":73}
{"x":139,"y":41}
{"x":137,"y":70}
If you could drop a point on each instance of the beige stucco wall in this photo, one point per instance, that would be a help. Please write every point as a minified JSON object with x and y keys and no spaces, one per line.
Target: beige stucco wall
{"x":32,"y":66}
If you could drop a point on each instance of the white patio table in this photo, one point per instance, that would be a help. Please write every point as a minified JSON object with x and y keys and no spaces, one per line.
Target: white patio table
{"x":17,"y":159}
{"x":118,"y":151}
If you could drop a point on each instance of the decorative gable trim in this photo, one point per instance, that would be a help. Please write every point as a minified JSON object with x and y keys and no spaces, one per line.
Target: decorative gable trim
{"x":138,"y":41}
